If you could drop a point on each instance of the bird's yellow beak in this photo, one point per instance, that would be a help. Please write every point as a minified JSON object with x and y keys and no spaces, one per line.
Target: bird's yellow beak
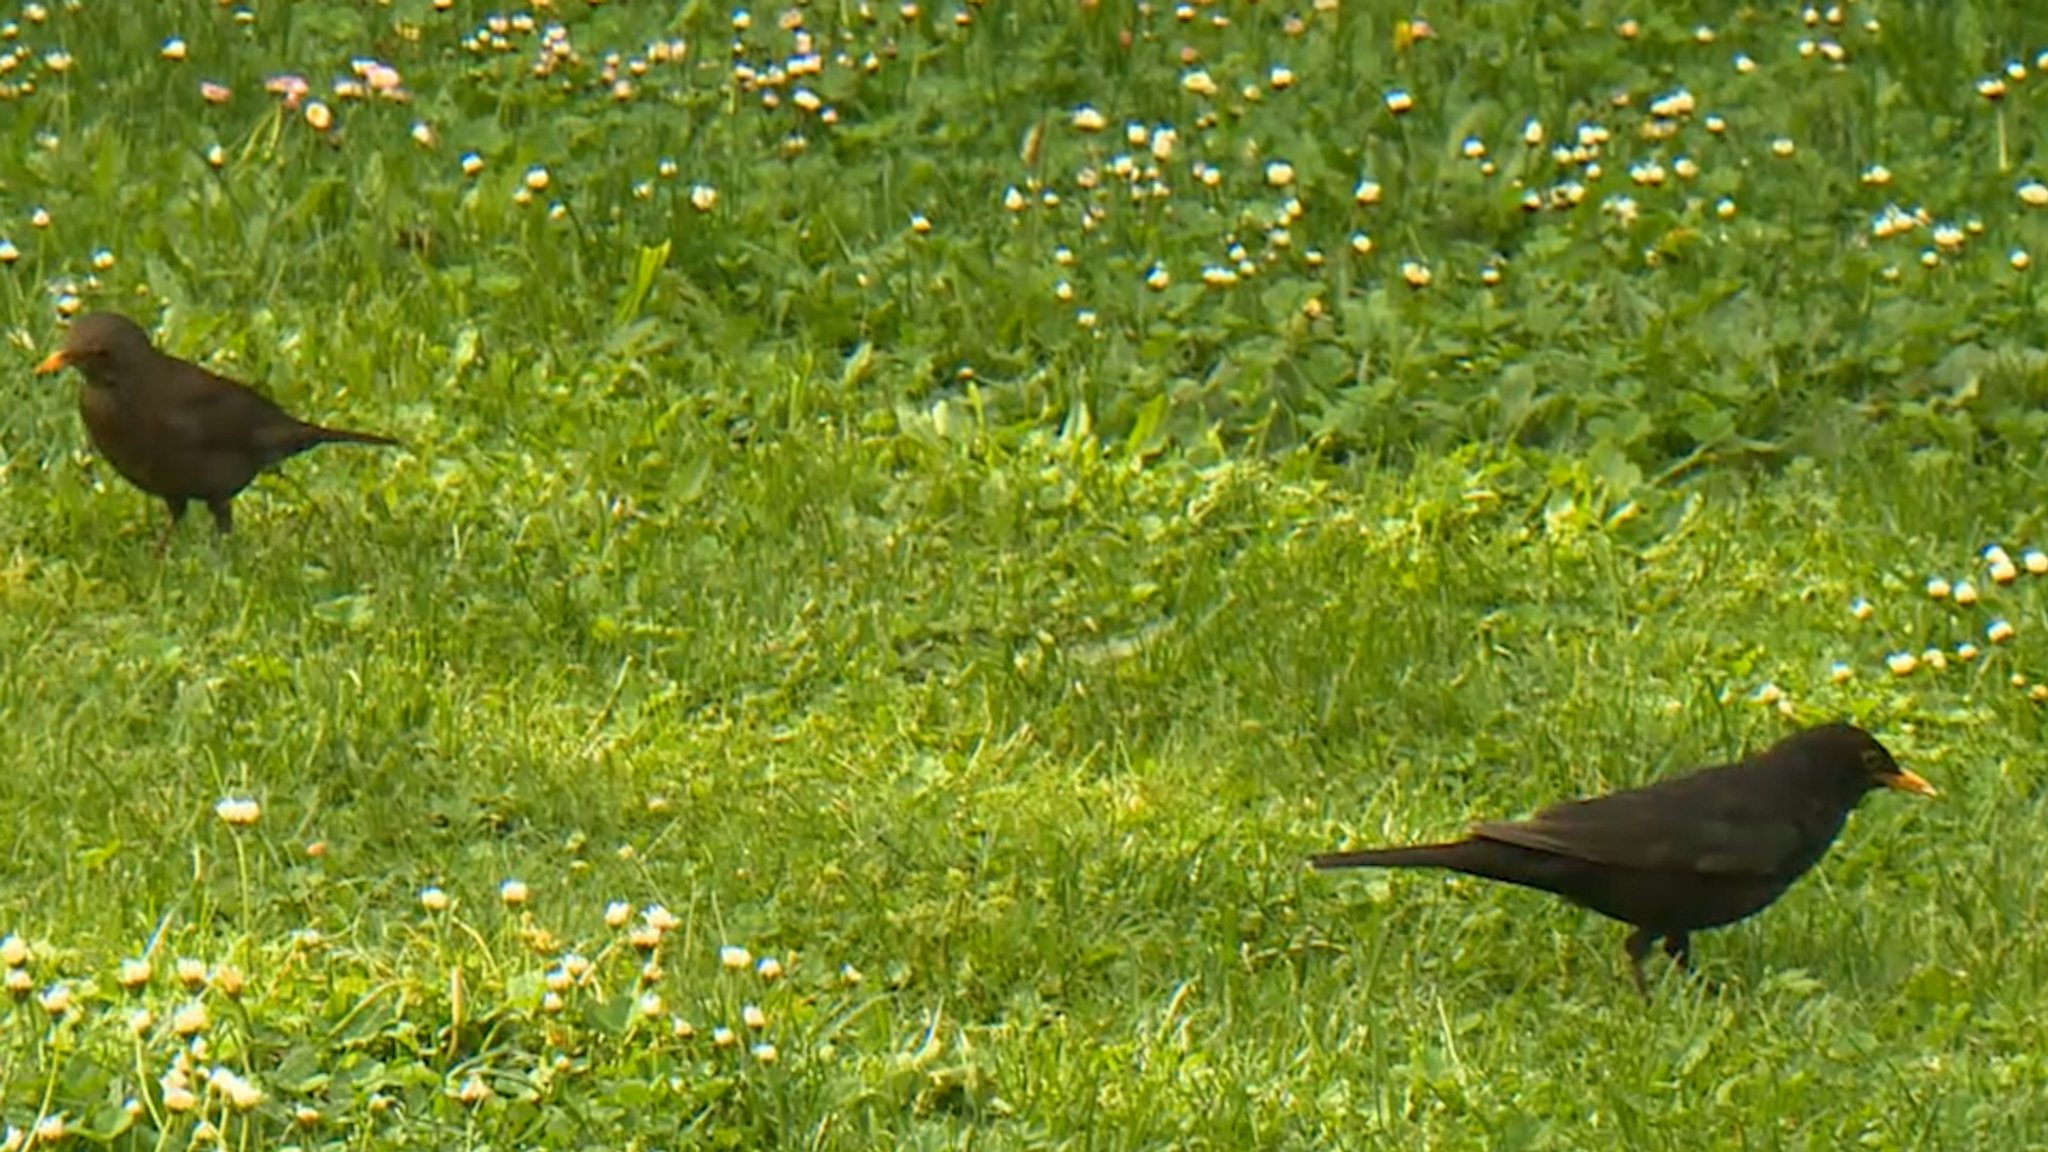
{"x":1910,"y":781}
{"x":51,"y":363}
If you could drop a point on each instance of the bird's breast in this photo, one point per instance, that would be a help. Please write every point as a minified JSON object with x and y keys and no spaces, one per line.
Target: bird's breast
{"x":154,"y":453}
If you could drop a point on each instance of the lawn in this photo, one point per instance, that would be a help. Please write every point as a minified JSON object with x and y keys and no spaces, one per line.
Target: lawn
{"x":914,"y":522}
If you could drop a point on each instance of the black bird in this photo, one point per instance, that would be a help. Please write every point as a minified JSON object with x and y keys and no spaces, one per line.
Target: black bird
{"x":173,"y":429}
{"x":1692,"y":852}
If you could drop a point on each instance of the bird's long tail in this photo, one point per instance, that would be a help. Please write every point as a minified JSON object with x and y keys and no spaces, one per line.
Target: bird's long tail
{"x":315,"y":434}
{"x":1413,"y":856}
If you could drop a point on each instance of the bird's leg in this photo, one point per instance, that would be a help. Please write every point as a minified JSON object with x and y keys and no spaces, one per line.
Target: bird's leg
{"x":1678,"y":946}
{"x":1638,"y":946}
{"x":177,"y":506}
{"x":223,"y":515}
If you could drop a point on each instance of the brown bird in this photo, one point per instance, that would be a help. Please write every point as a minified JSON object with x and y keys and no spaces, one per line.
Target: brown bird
{"x":1692,"y":852}
{"x":175,"y":430}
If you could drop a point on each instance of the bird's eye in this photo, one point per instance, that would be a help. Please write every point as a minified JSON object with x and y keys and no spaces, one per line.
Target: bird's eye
{"x":1876,"y":762}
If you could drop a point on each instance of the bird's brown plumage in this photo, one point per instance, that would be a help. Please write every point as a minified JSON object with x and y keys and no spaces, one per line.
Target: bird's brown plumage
{"x":174,"y":429}
{"x":1693,"y":852}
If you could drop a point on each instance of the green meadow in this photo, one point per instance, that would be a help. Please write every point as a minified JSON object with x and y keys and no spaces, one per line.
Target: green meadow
{"x":914,"y":521}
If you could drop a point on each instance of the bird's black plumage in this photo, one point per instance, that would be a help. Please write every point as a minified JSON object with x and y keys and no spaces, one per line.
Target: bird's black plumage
{"x":174,"y":429}
{"x":1679,"y":855}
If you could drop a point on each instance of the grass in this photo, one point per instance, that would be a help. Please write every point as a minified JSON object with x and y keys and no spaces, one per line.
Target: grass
{"x":974,"y":607}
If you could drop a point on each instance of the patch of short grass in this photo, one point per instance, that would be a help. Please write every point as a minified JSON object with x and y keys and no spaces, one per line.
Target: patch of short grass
{"x":815,"y":677}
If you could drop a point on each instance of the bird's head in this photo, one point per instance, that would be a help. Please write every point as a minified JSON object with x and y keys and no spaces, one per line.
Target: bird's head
{"x":1845,"y":745}
{"x":1886,"y":772}
{"x":94,"y":341}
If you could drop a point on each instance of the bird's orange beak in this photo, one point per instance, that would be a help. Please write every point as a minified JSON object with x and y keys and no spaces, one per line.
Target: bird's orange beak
{"x":51,"y":363}
{"x":1910,"y":781}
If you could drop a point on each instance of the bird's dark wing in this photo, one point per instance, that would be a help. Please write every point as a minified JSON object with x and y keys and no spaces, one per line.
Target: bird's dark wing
{"x":1727,"y":822}
{"x":225,"y":415}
